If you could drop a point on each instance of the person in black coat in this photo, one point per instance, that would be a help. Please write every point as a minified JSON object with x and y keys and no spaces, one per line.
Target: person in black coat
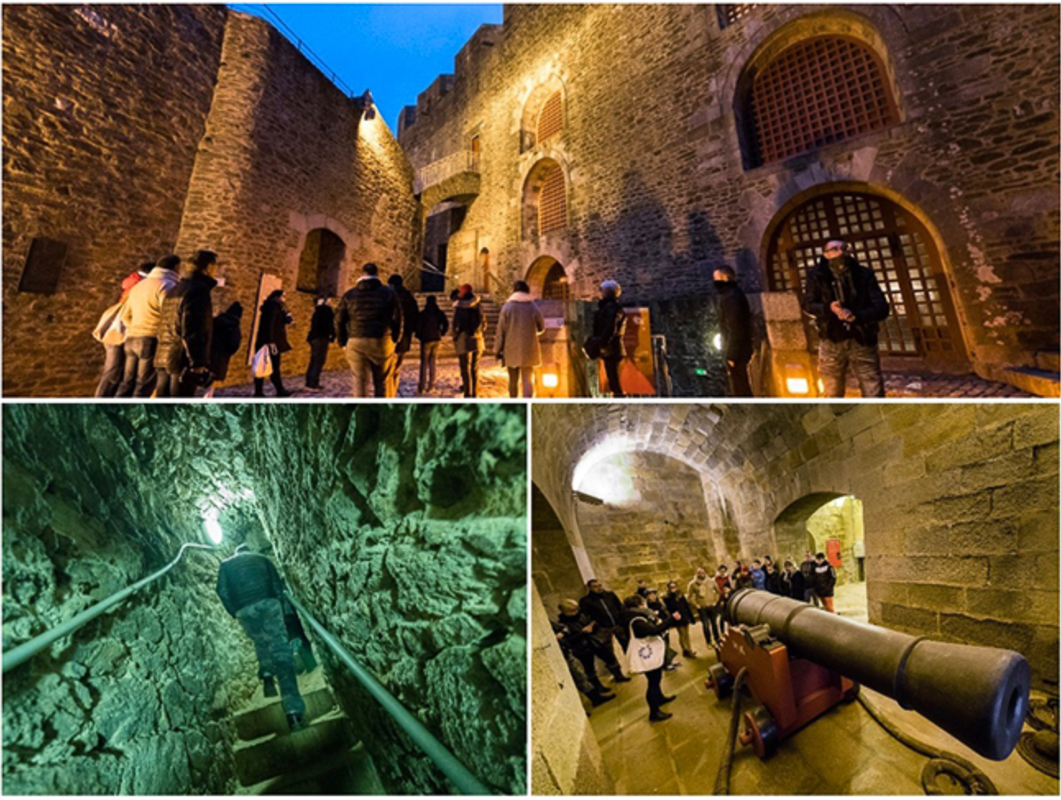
{"x":367,"y":326}
{"x":251,"y":590}
{"x":431,"y":327}
{"x":272,"y":332}
{"x":735,"y":325}
{"x":321,"y":335}
{"x":848,"y":305}
{"x":606,"y":609}
{"x":587,"y":641}
{"x":676,"y":603}
{"x":609,"y":326}
{"x":410,"y":320}
{"x":637,"y":619}
{"x":224,"y":344}
{"x":186,"y":329}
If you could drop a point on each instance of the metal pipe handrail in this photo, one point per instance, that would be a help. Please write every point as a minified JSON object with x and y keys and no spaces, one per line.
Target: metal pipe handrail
{"x":26,"y":650}
{"x":451,"y":767}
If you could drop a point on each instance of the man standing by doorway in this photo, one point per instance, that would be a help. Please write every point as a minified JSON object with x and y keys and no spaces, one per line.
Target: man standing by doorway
{"x":848,"y":305}
{"x":250,"y":588}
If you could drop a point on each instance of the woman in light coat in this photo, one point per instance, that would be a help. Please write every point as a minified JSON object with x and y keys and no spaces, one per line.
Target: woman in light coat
{"x":518,"y":328}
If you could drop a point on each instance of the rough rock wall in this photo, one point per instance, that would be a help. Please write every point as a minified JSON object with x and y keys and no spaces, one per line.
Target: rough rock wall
{"x":286,"y":152}
{"x":405,"y":528}
{"x":136,"y":701}
{"x":657,"y":188}
{"x":960,"y":501}
{"x":104,"y":107}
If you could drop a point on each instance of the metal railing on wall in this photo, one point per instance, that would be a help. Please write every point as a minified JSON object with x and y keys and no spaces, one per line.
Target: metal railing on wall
{"x":267,"y":13}
{"x":458,"y":774}
{"x":27,"y":650}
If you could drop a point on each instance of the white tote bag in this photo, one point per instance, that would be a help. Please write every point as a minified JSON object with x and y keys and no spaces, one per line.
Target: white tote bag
{"x":261,"y":364}
{"x":644,"y":655}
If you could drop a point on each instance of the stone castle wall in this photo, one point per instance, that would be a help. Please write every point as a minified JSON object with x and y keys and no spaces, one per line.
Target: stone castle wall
{"x":135,"y":131}
{"x":657,"y":189}
{"x":104,"y":109}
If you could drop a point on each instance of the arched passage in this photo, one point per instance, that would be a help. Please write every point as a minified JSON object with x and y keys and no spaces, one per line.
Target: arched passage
{"x":830,"y":523}
{"x":544,"y":200}
{"x":891,"y":240}
{"x":320,"y":264}
{"x":547,"y":279}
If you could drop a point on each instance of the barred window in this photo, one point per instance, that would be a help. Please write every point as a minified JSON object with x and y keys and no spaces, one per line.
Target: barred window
{"x":551,"y":118}
{"x":552,"y":203}
{"x":728,"y":14}
{"x":816,"y":92}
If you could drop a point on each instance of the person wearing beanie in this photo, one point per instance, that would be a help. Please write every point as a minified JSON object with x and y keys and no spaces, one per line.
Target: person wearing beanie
{"x":368,"y":323}
{"x":518,"y":328}
{"x":609,"y":326}
{"x":469,"y":337}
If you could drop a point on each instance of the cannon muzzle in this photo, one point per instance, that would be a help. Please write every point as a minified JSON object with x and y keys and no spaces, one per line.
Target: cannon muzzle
{"x":979,"y":695}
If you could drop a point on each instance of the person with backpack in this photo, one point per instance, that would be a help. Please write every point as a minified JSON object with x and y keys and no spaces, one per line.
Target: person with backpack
{"x":224,"y":344}
{"x":321,"y":335}
{"x":469,"y":337}
{"x":186,"y":328}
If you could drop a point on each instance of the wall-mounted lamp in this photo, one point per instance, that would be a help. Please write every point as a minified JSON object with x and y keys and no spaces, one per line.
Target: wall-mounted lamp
{"x":588,"y":498}
{"x":367,"y":104}
{"x":717,"y":342}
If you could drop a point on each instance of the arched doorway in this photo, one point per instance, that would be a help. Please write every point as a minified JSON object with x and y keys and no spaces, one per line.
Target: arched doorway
{"x":547,"y":279}
{"x":320,"y":263}
{"x":923,"y":325}
{"x":830,"y":523}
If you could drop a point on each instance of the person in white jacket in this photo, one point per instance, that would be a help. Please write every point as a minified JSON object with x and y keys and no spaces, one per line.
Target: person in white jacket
{"x":141,"y":316}
{"x":518,"y":329}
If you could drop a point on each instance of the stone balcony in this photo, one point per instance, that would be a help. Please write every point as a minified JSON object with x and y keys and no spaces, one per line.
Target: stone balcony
{"x":455,"y":177}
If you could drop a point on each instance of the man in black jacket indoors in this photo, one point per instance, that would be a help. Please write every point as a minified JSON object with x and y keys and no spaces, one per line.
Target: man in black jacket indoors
{"x":250,"y":589}
{"x":606,"y":609}
{"x":735,"y":325}
{"x":848,"y":305}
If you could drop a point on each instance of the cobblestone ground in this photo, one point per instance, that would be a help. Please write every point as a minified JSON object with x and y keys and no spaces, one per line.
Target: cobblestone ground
{"x":493,"y":383}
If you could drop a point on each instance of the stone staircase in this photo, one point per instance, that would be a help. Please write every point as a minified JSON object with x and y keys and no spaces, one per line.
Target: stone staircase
{"x":1044,"y":379}
{"x":325,"y":757}
{"x":491,"y":312}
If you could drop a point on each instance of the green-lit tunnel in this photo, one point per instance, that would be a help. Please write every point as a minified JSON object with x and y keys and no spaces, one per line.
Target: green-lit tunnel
{"x":402,"y":529}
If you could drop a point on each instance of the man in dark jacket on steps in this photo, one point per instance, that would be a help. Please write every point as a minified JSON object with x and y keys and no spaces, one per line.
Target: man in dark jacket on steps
{"x":367,"y":325}
{"x":250,"y":589}
{"x":848,"y":305}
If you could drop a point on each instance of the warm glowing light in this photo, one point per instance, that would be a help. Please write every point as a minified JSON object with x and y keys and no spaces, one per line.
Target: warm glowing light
{"x":797,"y":385}
{"x":821,"y":386}
{"x":212,"y":526}
{"x":550,"y":380}
{"x":718,"y":342}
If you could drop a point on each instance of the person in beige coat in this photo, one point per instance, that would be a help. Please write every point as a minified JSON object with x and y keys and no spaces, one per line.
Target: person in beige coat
{"x":518,"y":328}
{"x":702,"y":599}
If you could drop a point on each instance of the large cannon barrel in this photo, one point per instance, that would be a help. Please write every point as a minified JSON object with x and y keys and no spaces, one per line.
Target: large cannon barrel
{"x":977,"y":694}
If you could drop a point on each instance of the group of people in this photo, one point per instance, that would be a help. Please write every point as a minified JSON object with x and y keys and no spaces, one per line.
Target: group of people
{"x":161,"y":339}
{"x":586,"y":629}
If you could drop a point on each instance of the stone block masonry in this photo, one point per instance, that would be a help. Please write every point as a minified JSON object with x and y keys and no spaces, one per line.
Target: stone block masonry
{"x":133,"y":131}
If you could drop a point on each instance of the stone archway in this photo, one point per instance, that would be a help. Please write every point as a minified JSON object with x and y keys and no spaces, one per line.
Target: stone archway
{"x":320,"y":263}
{"x":896,"y":244}
{"x":547,"y":279}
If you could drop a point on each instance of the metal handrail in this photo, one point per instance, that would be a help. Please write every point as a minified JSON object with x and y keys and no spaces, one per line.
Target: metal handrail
{"x":26,"y":650}
{"x":451,"y":767}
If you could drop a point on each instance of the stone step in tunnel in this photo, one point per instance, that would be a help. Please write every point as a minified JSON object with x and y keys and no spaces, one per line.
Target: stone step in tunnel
{"x":401,"y":529}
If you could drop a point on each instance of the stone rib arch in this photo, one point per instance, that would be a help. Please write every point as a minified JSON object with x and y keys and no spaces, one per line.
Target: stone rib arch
{"x":532,"y":179}
{"x":532,"y":108}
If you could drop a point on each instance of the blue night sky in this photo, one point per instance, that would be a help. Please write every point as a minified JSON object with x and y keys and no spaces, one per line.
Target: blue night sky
{"x":394,"y":50}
